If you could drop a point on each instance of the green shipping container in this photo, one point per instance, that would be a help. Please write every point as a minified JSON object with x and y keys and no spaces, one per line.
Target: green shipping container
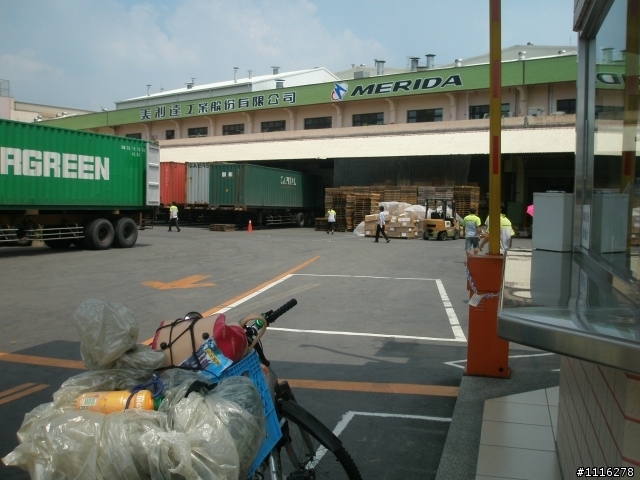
{"x":47,"y":168}
{"x":253,"y":186}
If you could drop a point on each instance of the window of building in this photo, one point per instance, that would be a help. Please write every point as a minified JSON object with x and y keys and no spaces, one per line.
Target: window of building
{"x":320,"y":122}
{"x":169,"y":134}
{"x":134,"y":135}
{"x":237,"y":129}
{"x":198,"y":132}
{"x":566,"y":106}
{"x":419,"y":116}
{"x":364,"y":119}
{"x":275,"y":126}
{"x":482,"y":111}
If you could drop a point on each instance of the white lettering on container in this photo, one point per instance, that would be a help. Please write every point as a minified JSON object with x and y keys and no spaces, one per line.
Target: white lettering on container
{"x":51,"y":161}
{"x":102,"y":169}
{"x":85,"y":167}
{"x":10,"y":156}
{"x":69,"y":165}
{"x":35,"y":163}
{"x":31,"y":163}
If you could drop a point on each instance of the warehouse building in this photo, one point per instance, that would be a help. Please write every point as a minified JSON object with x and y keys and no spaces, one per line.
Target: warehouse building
{"x":421,"y":125}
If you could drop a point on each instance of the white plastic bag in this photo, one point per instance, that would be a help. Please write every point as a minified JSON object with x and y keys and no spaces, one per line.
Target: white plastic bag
{"x":207,"y":435}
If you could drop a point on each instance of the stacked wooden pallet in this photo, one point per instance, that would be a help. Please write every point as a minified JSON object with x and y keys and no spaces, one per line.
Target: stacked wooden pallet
{"x":223,"y":227}
{"x":425,"y":192}
{"x":391,"y":194}
{"x":321,"y":224}
{"x":337,"y":198}
{"x":466,"y":197}
{"x":445,"y":192}
{"x":365,"y":204}
{"x":350,"y":210}
{"x":409,"y":195}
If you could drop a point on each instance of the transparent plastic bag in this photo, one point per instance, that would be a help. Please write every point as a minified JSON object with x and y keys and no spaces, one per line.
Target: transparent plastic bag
{"x":415,"y":212}
{"x":108,"y":337}
{"x":138,"y":444}
{"x":58,"y":445}
{"x":359,"y":230}
{"x":208,"y":435}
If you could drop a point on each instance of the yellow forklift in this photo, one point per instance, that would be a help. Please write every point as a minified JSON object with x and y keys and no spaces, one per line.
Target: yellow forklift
{"x":443,"y":223}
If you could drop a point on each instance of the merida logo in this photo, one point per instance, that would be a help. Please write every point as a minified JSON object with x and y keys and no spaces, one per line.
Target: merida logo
{"x":406,"y":85}
{"x":34,"y":163}
{"x":287,"y":180}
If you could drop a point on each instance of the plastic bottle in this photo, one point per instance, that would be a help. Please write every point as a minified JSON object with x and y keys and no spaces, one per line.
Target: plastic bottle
{"x":108,"y":402}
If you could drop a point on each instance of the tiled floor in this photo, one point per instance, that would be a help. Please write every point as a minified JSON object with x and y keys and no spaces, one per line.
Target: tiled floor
{"x":518,"y":437}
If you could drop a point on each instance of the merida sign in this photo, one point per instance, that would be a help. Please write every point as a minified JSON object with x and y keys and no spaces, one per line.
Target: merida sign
{"x":406,"y":85}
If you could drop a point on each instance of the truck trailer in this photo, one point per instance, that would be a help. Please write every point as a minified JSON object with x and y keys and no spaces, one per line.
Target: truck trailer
{"x":69,"y":187}
{"x":278,"y":196}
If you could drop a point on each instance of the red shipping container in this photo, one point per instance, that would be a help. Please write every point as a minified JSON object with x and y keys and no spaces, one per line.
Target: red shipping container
{"x":172,"y":183}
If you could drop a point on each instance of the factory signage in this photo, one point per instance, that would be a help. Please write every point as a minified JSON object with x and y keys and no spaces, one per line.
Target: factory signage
{"x":406,"y":85}
{"x":203,"y":107}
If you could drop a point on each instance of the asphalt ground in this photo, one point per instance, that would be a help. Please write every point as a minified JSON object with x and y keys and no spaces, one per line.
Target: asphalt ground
{"x":365,"y":349}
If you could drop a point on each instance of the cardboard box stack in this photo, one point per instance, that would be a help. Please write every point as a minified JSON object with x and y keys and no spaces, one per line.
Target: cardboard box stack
{"x":402,"y":226}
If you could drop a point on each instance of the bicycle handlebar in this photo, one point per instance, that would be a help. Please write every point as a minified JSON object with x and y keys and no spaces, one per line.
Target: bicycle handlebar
{"x":271,"y":316}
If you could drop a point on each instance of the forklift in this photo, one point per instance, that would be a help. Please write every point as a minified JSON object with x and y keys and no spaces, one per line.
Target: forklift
{"x":441,"y":226}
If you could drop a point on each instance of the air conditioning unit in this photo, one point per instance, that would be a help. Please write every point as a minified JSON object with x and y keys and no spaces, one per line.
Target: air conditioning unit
{"x":535,"y":112}
{"x":506,"y":114}
{"x":558,"y":113}
{"x":154,"y":138}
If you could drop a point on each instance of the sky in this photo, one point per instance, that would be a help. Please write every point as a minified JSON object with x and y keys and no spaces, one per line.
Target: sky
{"x":89,"y":54}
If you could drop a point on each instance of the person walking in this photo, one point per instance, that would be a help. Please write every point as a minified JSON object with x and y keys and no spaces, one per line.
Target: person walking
{"x":173,"y":216}
{"x":506,"y":232}
{"x":471,"y":223}
{"x":331,"y":220}
{"x":380,"y":226}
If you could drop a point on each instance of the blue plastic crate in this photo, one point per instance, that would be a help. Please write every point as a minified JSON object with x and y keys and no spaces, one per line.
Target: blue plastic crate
{"x":250,"y":366}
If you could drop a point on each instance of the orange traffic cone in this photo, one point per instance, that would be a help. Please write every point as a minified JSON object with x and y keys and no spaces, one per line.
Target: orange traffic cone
{"x":250,"y":229}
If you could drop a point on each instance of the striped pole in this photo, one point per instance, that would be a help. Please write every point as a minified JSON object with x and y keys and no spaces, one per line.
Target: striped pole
{"x":495,"y":113}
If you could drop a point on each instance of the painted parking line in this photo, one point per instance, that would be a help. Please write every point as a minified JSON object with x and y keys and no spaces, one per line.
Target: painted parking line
{"x":394,"y":388}
{"x":189,"y":282}
{"x":370,"y":387}
{"x":41,"y":361}
{"x":458,"y":334}
{"x":20,"y":391}
{"x":347,"y":417}
{"x":455,"y":363}
{"x":238,"y":300}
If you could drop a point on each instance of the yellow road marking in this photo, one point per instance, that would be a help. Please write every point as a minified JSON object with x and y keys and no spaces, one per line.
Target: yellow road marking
{"x":245,"y":294}
{"x":370,"y":387}
{"x":23,"y":393}
{"x":42,"y":361}
{"x":189,"y":282}
{"x":398,"y":388}
{"x":253,"y":290}
{"x":15,"y":389}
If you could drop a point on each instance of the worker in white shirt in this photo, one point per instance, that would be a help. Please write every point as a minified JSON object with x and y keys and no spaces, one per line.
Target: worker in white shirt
{"x":380,"y":226}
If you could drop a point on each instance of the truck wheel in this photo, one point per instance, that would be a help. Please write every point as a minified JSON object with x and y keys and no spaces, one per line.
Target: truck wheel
{"x":310,"y":220}
{"x":442,"y":235}
{"x":456,"y":235}
{"x":425,"y":235}
{"x":99,"y":234}
{"x":58,"y":244}
{"x":126,"y":233}
{"x":299,"y":219}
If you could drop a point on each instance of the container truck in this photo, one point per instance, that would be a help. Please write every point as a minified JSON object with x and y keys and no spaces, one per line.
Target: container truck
{"x":234,"y":193}
{"x":69,"y":187}
{"x":277,"y":196}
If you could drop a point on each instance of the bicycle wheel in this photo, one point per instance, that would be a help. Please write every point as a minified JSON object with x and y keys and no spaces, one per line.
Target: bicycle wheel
{"x":311,"y":451}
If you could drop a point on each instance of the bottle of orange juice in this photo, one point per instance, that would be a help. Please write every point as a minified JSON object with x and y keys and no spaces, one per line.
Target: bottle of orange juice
{"x":108,"y":402}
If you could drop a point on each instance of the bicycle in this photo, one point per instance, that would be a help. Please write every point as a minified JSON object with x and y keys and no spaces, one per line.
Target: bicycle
{"x":311,"y":450}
